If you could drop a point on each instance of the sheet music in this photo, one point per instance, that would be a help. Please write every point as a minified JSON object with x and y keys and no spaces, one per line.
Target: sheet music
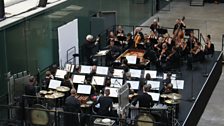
{"x":131,"y":59}
{"x":113,"y":92}
{"x":155,"y":96}
{"x":84,"y":89}
{"x":134,"y":84}
{"x":85,"y":69}
{"x":54,"y":84}
{"x":118,"y":73}
{"x":60,"y":73}
{"x":116,"y":82}
{"x":153,"y":73}
{"x":155,"y":85}
{"x":173,"y":76}
{"x":79,"y":79}
{"x":135,"y":73}
{"x":97,"y":80}
{"x":102,"y":70}
{"x":102,"y":53}
{"x":178,"y":84}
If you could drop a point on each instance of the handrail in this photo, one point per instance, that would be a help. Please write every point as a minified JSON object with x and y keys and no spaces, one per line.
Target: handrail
{"x":222,"y":41}
{"x":67,"y":52}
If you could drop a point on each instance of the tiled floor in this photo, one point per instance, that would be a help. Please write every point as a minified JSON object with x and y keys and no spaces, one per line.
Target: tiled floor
{"x":209,"y":19}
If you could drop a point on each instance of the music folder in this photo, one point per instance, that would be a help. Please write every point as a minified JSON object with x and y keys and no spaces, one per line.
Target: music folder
{"x":173,"y":76}
{"x":134,"y":84}
{"x":97,"y":80}
{"x":54,"y":84}
{"x":113,"y":92}
{"x":69,"y":67}
{"x":84,"y":89}
{"x":78,"y":79}
{"x":60,"y":73}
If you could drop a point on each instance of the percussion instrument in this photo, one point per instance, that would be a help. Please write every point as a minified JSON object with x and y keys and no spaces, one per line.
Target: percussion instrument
{"x":164,"y":95}
{"x":55,"y":95}
{"x":43,"y":92}
{"x":39,"y":116}
{"x":63,"y":89}
{"x":145,"y":119}
{"x":174,"y":96}
{"x":172,"y":102}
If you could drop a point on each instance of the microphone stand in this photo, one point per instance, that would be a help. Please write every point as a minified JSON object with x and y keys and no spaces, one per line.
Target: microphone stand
{"x":117,"y":82}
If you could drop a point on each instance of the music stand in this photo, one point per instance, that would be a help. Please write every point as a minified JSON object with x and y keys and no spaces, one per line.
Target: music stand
{"x":84,"y":89}
{"x":54,"y":84}
{"x":152,"y":73}
{"x":113,"y":92}
{"x":155,"y":96}
{"x":173,"y":76}
{"x":178,"y":84}
{"x":135,"y":73}
{"x":60,"y":73}
{"x":102,"y":70}
{"x":131,"y":59}
{"x":118,"y":73}
{"x":69,"y":67}
{"x":115,"y":82}
{"x":85,"y":69}
{"x":134,"y":84}
{"x":78,"y":79}
{"x":97,"y":80}
{"x":155,"y":85}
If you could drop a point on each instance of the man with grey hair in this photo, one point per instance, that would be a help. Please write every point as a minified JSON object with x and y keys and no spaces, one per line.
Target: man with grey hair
{"x":89,"y":48}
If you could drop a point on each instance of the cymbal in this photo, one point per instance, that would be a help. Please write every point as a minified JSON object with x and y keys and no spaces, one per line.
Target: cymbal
{"x":50,"y":92}
{"x":164,"y":95}
{"x":174,"y":96}
{"x":173,"y":102}
{"x":63,"y":89}
{"x":43,"y":92}
{"x":55,"y":95}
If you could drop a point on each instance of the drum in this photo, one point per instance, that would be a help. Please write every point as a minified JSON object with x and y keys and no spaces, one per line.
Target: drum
{"x":39,"y":115}
{"x":145,"y":119}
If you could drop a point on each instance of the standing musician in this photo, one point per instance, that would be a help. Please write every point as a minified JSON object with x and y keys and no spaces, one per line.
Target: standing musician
{"x":209,"y":46}
{"x":72,"y":104}
{"x":155,"y":25}
{"x":114,"y":52}
{"x":180,"y":25}
{"x":145,"y":100}
{"x":120,"y":33}
{"x":106,"y":104}
{"x":191,"y":41}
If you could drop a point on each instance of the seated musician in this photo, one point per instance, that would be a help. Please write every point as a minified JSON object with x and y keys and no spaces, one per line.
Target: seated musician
{"x":148,"y":77}
{"x":167,"y":80}
{"x":209,"y":46}
{"x":72,"y":104}
{"x":30,"y":86}
{"x":151,"y":55}
{"x":106,"y":104}
{"x":164,"y":53}
{"x":131,"y":91}
{"x":138,"y":36}
{"x":115,"y":51}
{"x":145,"y":100}
{"x":46,"y":80}
{"x":67,"y":82}
{"x":130,"y":41}
{"x":191,"y":41}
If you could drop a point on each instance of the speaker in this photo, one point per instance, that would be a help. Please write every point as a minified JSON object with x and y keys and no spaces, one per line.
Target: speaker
{"x":2,"y":9}
{"x":42,"y":3}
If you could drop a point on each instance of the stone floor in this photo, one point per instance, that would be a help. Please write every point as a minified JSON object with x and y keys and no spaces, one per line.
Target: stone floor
{"x":209,"y":19}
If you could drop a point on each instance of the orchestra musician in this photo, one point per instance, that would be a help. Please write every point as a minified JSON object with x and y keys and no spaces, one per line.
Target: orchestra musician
{"x":138,"y":36}
{"x":155,"y":25}
{"x":114,"y":52}
{"x":209,"y":46}
{"x":180,"y":25}
{"x":46,"y":80}
{"x":72,"y":104}
{"x":145,"y":100}
{"x":106,"y":104}
{"x":30,"y":87}
{"x":120,"y":33}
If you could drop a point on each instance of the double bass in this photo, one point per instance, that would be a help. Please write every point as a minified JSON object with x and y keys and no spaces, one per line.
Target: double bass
{"x":179,"y":33}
